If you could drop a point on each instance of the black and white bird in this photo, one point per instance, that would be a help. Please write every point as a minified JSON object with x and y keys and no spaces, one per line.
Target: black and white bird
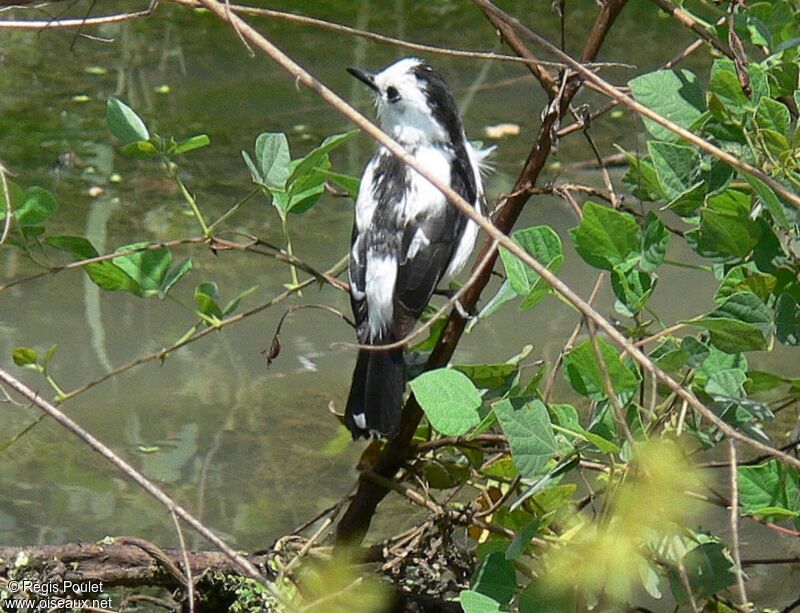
{"x":406,"y":237}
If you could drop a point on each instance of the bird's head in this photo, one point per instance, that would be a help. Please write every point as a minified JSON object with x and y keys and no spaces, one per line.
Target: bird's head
{"x":414,"y":103}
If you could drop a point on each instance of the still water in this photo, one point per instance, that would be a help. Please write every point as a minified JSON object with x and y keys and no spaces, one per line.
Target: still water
{"x":252,"y":450}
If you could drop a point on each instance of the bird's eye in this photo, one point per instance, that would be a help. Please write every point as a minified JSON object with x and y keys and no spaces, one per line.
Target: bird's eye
{"x":392,"y":94}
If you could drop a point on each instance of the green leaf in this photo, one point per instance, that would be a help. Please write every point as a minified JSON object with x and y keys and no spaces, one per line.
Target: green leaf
{"x":104,"y":274}
{"x":347,"y":182}
{"x":24,"y":356}
{"x":674,"y":94}
{"x":141,"y":150}
{"x":527,"y":426}
{"x":495,"y":578}
{"x":488,"y":376}
{"x":545,"y":246}
{"x":725,"y":87}
{"x":742,"y":279}
{"x":147,"y":268}
{"x":677,"y":166}
{"x":124,"y":123}
{"x":655,"y":242}
{"x":205,"y":297}
{"x":449,"y":399}
{"x":585,"y":375}
{"x":767,"y":489}
{"x":305,"y":193}
{"x":730,"y":335}
{"x":173,"y":276}
{"x":234,"y":304}
{"x":725,"y":225}
{"x":787,"y":320}
{"x":190,"y":144}
{"x":606,"y":238}
{"x":686,"y":203}
{"x":317,"y":157}
{"x":633,"y":289}
{"x":769,"y":199}
{"x":48,"y":356}
{"x":272,"y":160}
{"x":728,"y":383}
{"x":474,"y":602}
{"x":773,"y":115}
{"x":38,"y":205}
{"x":709,"y":570}
{"x":519,"y":544}
{"x":746,"y":307}
{"x":641,"y":178}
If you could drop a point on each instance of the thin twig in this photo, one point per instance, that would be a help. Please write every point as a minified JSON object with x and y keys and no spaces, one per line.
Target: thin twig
{"x":187,"y":567}
{"x":733,"y":522}
{"x":55,"y":23}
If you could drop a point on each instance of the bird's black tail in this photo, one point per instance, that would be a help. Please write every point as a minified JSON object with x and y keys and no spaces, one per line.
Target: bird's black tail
{"x":376,"y":394}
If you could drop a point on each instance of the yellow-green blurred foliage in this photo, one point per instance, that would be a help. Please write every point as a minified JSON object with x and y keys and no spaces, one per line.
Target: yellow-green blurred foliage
{"x":648,"y":503}
{"x":338,"y":586}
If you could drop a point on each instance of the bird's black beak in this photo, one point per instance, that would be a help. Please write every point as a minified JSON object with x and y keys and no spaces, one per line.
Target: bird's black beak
{"x":367,"y":78}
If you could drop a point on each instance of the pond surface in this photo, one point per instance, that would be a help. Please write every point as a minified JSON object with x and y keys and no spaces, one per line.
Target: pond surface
{"x":252,"y":450}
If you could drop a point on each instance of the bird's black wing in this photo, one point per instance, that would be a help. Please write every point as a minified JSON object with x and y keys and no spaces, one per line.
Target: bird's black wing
{"x":420,"y":272}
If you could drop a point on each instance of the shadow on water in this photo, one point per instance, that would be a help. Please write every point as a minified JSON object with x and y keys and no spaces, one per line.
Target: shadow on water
{"x":252,"y":450}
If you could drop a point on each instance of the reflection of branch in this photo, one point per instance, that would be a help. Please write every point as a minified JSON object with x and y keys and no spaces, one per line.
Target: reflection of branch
{"x":132,"y":473}
{"x":733,"y":521}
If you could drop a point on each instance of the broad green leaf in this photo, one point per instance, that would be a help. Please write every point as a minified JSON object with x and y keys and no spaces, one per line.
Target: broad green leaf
{"x":205,"y":297}
{"x":769,"y":199}
{"x":539,"y":597}
{"x":234,"y":304}
{"x":488,"y":376}
{"x":742,"y":279}
{"x":38,"y":205}
{"x":316,"y":158}
{"x":443,"y":475}
{"x":686,"y":203}
{"x":762,"y":381}
{"x":725,"y":87}
{"x":607,"y":238}
{"x":746,"y":307}
{"x":725,"y":225}
{"x":674,"y":94}
{"x":656,"y":239}
{"x":190,"y":144}
{"x":677,"y":166}
{"x":147,"y":267}
{"x":24,"y":356}
{"x":773,"y":115}
{"x":505,"y":294}
{"x":766,"y":488}
{"x":529,"y":431}
{"x":124,"y":123}
{"x":522,"y":539}
{"x":730,"y":335}
{"x":728,"y":382}
{"x":633,"y":289}
{"x":49,"y":354}
{"x":709,"y":570}
{"x":544,"y":245}
{"x":787,"y":320}
{"x":348,"y":182}
{"x":641,"y":178}
{"x":173,"y":276}
{"x":305,"y":192}
{"x":475,"y":602}
{"x":104,"y":274}
{"x":495,"y":578}
{"x":585,"y":375}
{"x":449,"y":399}
{"x":272,"y":159}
